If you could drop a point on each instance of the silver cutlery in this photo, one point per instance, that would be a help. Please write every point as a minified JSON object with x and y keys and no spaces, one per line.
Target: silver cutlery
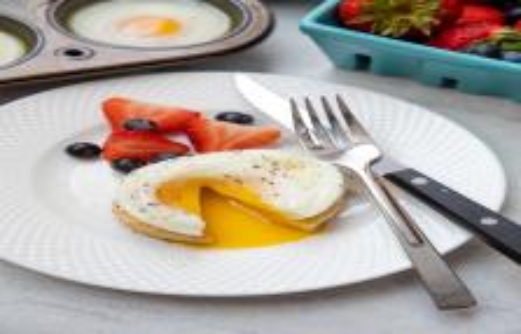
{"x":495,"y":230}
{"x":331,"y":139}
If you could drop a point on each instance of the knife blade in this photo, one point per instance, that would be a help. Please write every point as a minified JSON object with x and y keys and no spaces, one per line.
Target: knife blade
{"x":278,"y":108}
{"x":494,"y":229}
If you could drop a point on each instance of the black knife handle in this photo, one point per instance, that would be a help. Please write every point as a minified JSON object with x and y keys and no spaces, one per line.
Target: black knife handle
{"x":499,"y":232}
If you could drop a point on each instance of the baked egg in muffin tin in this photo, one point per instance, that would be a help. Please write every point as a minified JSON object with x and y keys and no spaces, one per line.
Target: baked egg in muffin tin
{"x":18,"y":41}
{"x":76,"y":39}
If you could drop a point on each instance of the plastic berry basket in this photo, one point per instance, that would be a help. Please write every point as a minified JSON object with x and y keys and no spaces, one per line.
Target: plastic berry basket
{"x":354,"y":50}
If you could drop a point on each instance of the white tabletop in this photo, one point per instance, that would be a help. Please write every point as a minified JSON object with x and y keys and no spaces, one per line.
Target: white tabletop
{"x":33,"y":303}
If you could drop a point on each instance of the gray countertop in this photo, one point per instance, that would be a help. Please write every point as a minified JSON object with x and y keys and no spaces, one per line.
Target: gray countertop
{"x":33,"y":303}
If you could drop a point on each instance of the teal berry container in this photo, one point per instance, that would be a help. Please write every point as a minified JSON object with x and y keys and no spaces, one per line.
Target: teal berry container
{"x":355,"y":50}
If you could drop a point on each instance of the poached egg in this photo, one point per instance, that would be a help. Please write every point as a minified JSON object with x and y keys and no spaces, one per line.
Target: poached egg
{"x":150,"y":24}
{"x":232,"y":199}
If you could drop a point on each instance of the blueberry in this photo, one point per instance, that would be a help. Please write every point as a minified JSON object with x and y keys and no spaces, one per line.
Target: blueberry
{"x":126,"y":165}
{"x":140,"y":124}
{"x":485,"y":50}
{"x":512,"y":56}
{"x":164,"y":156}
{"x":83,"y":150}
{"x":235,"y":117}
{"x":513,"y":15}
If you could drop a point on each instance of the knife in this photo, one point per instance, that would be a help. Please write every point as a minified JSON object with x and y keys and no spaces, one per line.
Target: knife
{"x":494,"y":229}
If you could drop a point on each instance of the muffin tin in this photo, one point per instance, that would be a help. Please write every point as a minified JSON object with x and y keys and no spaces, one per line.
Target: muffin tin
{"x":55,"y":52}
{"x":28,"y":36}
{"x":355,"y":50}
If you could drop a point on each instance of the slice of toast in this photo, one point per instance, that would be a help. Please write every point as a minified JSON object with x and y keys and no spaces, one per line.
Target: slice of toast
{"x":156,"y":232}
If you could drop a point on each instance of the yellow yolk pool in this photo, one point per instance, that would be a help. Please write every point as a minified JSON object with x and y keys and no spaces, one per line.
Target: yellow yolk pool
{"x":235,"y":226}
{"x":149,"y":26}
{"x":235,"y":217}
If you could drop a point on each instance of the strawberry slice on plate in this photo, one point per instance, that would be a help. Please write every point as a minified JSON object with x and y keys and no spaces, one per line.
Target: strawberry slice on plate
{"x":118,"y":110}
{"x":209,"y":136}
{"x":140,"y":145}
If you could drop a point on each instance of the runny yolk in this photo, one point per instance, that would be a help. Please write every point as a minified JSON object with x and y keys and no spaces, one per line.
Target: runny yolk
{"x":234,"y":216}
{"x":149,"y":26}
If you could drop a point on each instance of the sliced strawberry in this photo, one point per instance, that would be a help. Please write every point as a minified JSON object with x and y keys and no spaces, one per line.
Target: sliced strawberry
{"x":118,"y":110}
{"x":209,"y":135}
{"x":139,"y":145}
{"x":481,"y":13}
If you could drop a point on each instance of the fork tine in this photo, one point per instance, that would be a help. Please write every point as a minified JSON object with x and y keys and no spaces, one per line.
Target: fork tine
{"x":337,"y":132}
{"x":301,"y":129}
{"x":359,"y":134}
{"x":319,"y":129}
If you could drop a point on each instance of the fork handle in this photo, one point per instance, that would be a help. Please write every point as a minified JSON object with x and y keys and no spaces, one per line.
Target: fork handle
{"x":444,"y":286}
{"x":497,"y":231}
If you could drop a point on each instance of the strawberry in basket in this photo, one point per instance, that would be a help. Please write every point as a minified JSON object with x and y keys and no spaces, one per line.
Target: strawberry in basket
{"x":405,"y":19}
{"x":483,"y":39}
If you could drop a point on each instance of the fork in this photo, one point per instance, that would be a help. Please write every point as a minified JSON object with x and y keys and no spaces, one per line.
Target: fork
{"x":342,"y":136}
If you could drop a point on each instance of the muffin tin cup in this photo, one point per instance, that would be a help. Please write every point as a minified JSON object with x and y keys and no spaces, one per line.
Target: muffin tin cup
{"x":29,"y":35}
{"x":60,"y":12}
{"x":355,"y":50}
{"x":63,"y":55}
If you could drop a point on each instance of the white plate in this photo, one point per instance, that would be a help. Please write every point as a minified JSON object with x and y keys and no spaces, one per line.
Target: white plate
{"x":56,"y":218}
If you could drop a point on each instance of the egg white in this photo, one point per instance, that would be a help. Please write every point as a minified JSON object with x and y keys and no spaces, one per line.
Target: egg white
{"x":11,"y":48}
{"x":301,"y":188}
{"x":200,"y":22}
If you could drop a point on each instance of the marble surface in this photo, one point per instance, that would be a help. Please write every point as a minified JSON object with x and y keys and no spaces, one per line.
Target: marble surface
{"x":33,"y":303}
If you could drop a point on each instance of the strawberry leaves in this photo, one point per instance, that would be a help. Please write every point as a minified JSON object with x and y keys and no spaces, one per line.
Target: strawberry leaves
{"x":400,"y":18}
